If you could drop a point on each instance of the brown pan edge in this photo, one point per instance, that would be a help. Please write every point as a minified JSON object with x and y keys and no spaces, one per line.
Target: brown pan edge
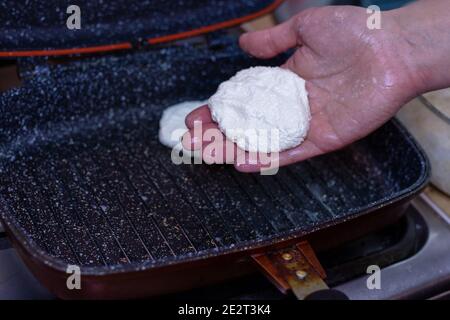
{"x":201,"y":272}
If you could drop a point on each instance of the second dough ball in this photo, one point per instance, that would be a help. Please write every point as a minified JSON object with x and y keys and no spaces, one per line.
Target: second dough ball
{"x":262,"y":109}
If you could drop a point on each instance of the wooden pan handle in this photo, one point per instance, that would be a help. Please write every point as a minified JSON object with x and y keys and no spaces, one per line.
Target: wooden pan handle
{"x":294,"y":268}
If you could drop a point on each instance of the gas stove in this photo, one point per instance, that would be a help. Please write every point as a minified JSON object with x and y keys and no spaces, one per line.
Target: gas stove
{"x":412,"y":254}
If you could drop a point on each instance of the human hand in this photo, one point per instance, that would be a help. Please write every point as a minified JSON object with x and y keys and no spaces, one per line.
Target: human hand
{"x":357,"y":78}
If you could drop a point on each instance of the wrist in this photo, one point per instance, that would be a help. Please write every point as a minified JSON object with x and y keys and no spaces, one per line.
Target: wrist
{"x":424,"y":30}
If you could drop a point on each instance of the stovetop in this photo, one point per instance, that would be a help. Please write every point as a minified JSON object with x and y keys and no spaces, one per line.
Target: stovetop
{"x":425,"y":275}
{"x":412,"y":254}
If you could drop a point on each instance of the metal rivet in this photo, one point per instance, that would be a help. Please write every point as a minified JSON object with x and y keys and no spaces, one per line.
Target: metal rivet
{"x":286,"y":256}
{"x":301,"y":274}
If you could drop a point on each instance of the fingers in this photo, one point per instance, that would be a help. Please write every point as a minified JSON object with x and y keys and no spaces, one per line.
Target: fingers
{"x":196,"y":137}
{"x":215,"y":147}
{"x":220,"y":151}
{"x":305,"y":151}
{"x":201,"y":114}
{"x":270,"y":42}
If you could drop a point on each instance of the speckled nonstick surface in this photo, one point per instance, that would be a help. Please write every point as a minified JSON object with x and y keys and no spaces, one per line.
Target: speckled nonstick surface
{"x":85,"y":181}
{"x":39,"y":27}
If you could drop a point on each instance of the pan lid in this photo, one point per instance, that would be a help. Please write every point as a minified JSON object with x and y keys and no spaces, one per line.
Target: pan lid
{"x":58,"y":27}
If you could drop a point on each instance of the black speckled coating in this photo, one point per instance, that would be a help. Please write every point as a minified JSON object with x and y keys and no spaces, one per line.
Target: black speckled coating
{"x":38,"y":24}
{"x":84,"y":179}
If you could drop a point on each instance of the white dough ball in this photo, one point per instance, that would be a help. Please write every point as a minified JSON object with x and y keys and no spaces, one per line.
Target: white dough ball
{"x":262,"y":109}
{"x":172,"y":125}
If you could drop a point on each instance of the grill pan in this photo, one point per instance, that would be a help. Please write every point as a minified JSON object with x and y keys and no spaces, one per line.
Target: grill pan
{"x":85,"y":181}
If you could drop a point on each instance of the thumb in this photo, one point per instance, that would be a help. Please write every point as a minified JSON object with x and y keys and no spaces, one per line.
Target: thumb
{"x":270,"y":42}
